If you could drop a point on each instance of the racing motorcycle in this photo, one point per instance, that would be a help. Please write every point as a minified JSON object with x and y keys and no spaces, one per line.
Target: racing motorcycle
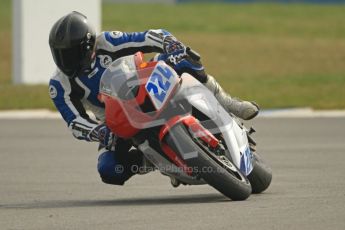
{"x":180,"y":127}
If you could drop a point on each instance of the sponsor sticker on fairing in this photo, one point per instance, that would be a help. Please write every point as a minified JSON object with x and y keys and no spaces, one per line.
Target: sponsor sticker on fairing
{"x":246,"y":162}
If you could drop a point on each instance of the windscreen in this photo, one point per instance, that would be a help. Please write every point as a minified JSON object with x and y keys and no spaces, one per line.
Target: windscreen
{"x":121,"y":79}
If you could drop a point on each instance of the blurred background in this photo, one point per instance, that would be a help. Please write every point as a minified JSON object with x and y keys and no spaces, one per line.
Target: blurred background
{"x":281,"y":54}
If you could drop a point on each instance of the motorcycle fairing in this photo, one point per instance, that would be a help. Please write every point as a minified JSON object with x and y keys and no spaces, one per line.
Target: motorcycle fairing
{"x":234,"y":136}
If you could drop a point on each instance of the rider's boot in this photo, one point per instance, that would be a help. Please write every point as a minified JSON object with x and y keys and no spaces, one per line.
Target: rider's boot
{"x":139,"y":163}
{"x":243,"y":109}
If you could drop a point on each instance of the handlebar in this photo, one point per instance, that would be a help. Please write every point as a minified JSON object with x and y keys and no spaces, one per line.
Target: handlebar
{"x":193,"y":54}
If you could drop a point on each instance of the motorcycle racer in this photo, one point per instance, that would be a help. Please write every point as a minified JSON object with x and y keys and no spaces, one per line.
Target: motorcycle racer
{"x":82,"y":57}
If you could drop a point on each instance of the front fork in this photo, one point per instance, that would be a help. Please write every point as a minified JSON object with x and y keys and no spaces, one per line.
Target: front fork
{"x":214,"y":145}
{"x":197,"y":131}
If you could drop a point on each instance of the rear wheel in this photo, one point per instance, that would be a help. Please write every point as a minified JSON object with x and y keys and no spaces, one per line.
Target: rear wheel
{"x":217,"y":171}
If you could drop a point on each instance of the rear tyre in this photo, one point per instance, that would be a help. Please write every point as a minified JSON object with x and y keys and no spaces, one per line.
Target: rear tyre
{"x":219,"y":172}
{"x":261,"y":176}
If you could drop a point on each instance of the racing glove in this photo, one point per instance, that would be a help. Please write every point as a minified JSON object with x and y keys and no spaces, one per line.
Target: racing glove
{"x":188,"y":62}
{"x":183,"y":59}
{"x":104,"y":136}
{"x":172,"y":46}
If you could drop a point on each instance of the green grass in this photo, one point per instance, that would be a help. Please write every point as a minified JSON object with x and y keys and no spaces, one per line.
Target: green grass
{"x":254,"y":19}
{"x":5,"y":42}
{"x":280,"y":55}
{"x":16,"y":96}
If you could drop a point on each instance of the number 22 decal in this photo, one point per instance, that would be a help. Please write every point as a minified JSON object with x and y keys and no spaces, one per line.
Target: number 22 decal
{"x":159,"y":90}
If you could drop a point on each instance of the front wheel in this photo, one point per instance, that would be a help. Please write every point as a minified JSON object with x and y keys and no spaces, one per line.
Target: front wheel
{"x":217,"y":171}
{"x":261,"y":175}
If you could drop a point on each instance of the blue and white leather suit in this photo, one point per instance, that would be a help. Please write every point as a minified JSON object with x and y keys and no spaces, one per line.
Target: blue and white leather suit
{"x":72,"y":97}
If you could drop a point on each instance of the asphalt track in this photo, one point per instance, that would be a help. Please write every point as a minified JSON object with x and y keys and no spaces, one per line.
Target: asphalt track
{"x":48,"y":180}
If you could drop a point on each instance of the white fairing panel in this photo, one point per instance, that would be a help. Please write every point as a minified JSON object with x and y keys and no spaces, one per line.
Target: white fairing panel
{"x":166,"y":167}
{"x":234,"y":136}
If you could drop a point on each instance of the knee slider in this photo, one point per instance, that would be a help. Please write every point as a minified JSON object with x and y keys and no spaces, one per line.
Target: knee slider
{"x":112,"y":174}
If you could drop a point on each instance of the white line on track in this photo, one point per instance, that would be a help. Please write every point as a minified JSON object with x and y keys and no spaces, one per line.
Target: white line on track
{"x":300,"y":113}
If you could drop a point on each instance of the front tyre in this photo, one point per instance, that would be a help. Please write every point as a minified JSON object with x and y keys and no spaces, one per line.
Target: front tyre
{"x":219,"y":172}
{"x":261,"y":175}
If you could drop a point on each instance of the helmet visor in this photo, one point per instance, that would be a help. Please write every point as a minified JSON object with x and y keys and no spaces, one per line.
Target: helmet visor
{"x":67,"y":59}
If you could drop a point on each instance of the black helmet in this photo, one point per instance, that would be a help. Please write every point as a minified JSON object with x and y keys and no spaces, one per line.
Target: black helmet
{"x":72,"y":41}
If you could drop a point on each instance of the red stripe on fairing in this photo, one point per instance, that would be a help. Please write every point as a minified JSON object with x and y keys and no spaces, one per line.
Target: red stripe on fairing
{"x":200,"y":131}
{"x":176,"y":159}
{"x":168,"y":125}
{"x":194,"y":126}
